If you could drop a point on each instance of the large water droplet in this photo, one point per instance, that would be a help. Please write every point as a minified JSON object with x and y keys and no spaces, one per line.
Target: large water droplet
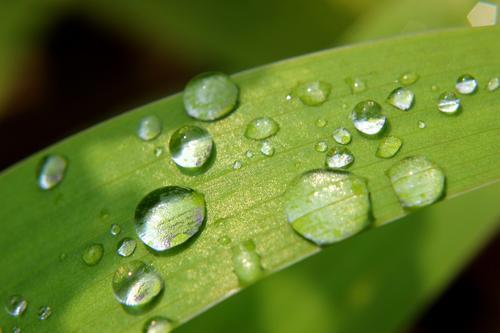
{"x":126,"y":247}
{"x":493,"y":84}
{"x":115,"y":229}
{"x":313,"y":93}
{"x":448,"y":102}
{"x":466,"y":84}
{"x":261,"y":128}
{"x":149,"y":128}
{"x":16,"y":305}
{"x":267,"y":149}
{"x":368,"y":118}
{"x":321,"y":146}
{"x":169,"y":216}
{"x":408,"y":78}
{"x":44,"y":312}
{"x":342,"y":136}
{"x":51,"y":171}
{"x":158,"y":325}
{"x":93,"y":254}
{"x":210,"y":96}
{"x":191,"y":147}
{"x":388,"y":147}
{"x":357,"y":85}
{"x":246,"y":263}
{"x":327,"y":206}
{"x":339,"y":158}
{"x":401,"y":98}
{"x":417,"y":181}
{"x":136,"y":284}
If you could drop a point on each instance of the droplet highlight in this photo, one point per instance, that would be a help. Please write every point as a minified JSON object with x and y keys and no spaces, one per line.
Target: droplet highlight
{"x":191,"y":147}
{"x":367,"y":117}
{"x":126,"y":247}
{"x":401,"y":98}
{"x":313,"y":93}
{"x":44,"y":312}
{"x":51,"y":171}
{"x":342,"y":136}
{"x":16,"y":305}
{"x":388,"y":147}
{"x":408,"y":78}
{"x":158,"y":325}
{"x":267,"y":149}
{"x":321,"y":146}
{"x":149,"y":128}
{"x":449,"y":103}
{"x":320,"y":123}
{"x":357,"y":85}
{"x":261,"y":128}
{"x":93,"y":254}
{"x":421,"y":124}
{"x":493,"y":84}
{"x":115,"y":229}
{"x":466,"y":84}
{"x":339,"y":158}
{"x":246,"y":263}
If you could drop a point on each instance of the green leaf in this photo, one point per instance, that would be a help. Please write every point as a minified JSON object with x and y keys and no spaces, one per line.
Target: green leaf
{"x":110,"y":170}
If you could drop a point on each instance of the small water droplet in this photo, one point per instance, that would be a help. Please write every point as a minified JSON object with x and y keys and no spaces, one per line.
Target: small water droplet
{"x":237,"y":165}
{"x":357,"y":85}
{"x":126,"y":247}
{"x":158,"y":151}
{"x":368,"y":118}
{"x":51,"y":171}
{"x":417,"y":181}
{"x":342,"y":136}
{"x":422,"y":124}
{"x":15,"y":329}
{"x":210,"y":96}
{"x":339,"y":158}
{"x":344,"y":106}
{"x":249,"y":154}
{"x":434,"y":87}
{"x":246,"y":263}
{"x":169,"y":216}
{"x":408,"y":78}
{"x":493,"y":84}
{"x":448,"y":102}
{"x":104,"y":214}
{"x":327,"y":206}
{"x":136,"y":284}
{"x":401,"y":98}
{"x":313,"y":93}
{"x":158,"y":325}
{"x":466,"y":84}
{"x":224,"y":240}
{"x":115,"y":229}
{"x":44,"y":312}
{"x":191,"y":147}
{"x":16,"y":305}
{"x":93,"y":254}
{"x":149,"y":128}
{"x":267,"y":149}
{"x":63,"y":256}
{"x":388,"y":147}
{"x":320,"y":123}
{"x":288,"y":97}
{"x":261,"y":128}
{"x":321,"y":146}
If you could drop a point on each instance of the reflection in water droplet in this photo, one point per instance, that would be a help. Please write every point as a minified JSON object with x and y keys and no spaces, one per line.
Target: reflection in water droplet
{"x":261,"y":128}
{"x":313,"y":93}
{"x":191,"y":147}
{"x":126,"y":247}
{"x":158,"y":325}
{"x":448,"y":103}
{"x":267,"y":148}
{"x":210,"y":96}
{"x":493,"y":84}
{"x":422,"y":124}
{"x":417,"y":181}
{"x":466,"y":84}
{"x":320,"y":123}
{"x":51,"y":171}
{"x":246,"y":263}
{"x":16,"y":305}
{"x":368,"y":118}
{"x":169,"y":216}
{"x":388,"y":147}
{"x":401,"y":98}
{"x":115,"y":229}
{"x":44,"y":312}
{"x":339,"y":158}
{"x":408,"y":78}
{"x":149,"y":128}
{"x":93,"y":254}
{"x":342,"y":136}
{"x":327,"y":206}
{"x":356,"y":84}
{"x":321,"y":146}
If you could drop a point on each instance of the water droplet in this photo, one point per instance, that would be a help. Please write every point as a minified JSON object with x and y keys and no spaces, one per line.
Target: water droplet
{"x":169,"y":216}
{"x":136,"y":284}
{"x":63,"y":256}
{"x":261,"y":128}
{"x":267,"y":148}
{"x":191,"y":147}
{"x":149,"y":128}
{"x":422,"y":124}
{"x":321,"y":146}
{"x":466,"y":84}
{"x":44,"y":312}
{"x":342,"y":136}
{"x":356,"y":84}
{"x":224,"y":240}
{"x":327,"y":206}
{"x":401,"y":98}
{"x":344,"y":106}
{"x":434,"y":87}
{"x":126,"y":247}
{"x":249,"y":154}
{"x":16,"y":305}
{"x":115,"y":229}
{"x":93,"y":254}
{"x":288,"y":97}
{"x":388,"y":147}
{"x":448,"y":102}
{"x":51,"y":171}
{"x":246,"y":263}
{"x":313,"y":93}
{"x":236,"y":165}
{"x":368,"y":118}
{"x":158,"y":325}
{"x":320,"y":123}
{"x":104,"y":213}
{"x":158,"y":151}
{"x":210,"y":96}
{"x":493,"y":84}
{"x":15,"y":329}
{"x":408,"y":78}
{"x":339,"y":158}
{"x":417,"y":181}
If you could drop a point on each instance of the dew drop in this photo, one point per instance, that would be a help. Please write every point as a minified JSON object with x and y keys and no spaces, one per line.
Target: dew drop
{"x":15,"y":329}
{"x":434,"y":87}
{"x":267,"y":149}
{"x":339,"y":158}
{"x":493,"y":84}
{"x":44,"y":312}
{"x":408,"y":78}
{"x":136,"y":284}
{"x":448,"y":102}
{"x":51,"y":171}
{"x":368,"y":118}
{"x":342,"y":136}
{"x":16,"y":305}
{"x":210,"y":96}
{"x":158,"y":325}
{"x":422,"y":124}
{"x":320,"y":123}
{"x":169,"y":216}
{"x":249,"y":154}
{"x":158,"y":151}
{"x":191,"y":147}
{"x":63,"y":256}
{"x":466,"y":84}
{"x":237,"y":165}
{"x":115,"y":229}
{"x":356,"y":84}
{"x":417,"y":181}
{"x":288,"y":97}
{"x":126,"y":247}
{"x":93,"y":254}
{"x":246,"y":263}
{"x":261,"y":128}
{"x":401,"y":98}
{"x":388,"y":147}
{"x":321,"y":146}
{"x":313,"y":93}
{"x":149,"y":128}
{"x":224,"y":240}
{"x":327,"y":206}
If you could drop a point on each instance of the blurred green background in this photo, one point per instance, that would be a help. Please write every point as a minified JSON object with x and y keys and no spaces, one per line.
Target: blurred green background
{"x":65,"y":65}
